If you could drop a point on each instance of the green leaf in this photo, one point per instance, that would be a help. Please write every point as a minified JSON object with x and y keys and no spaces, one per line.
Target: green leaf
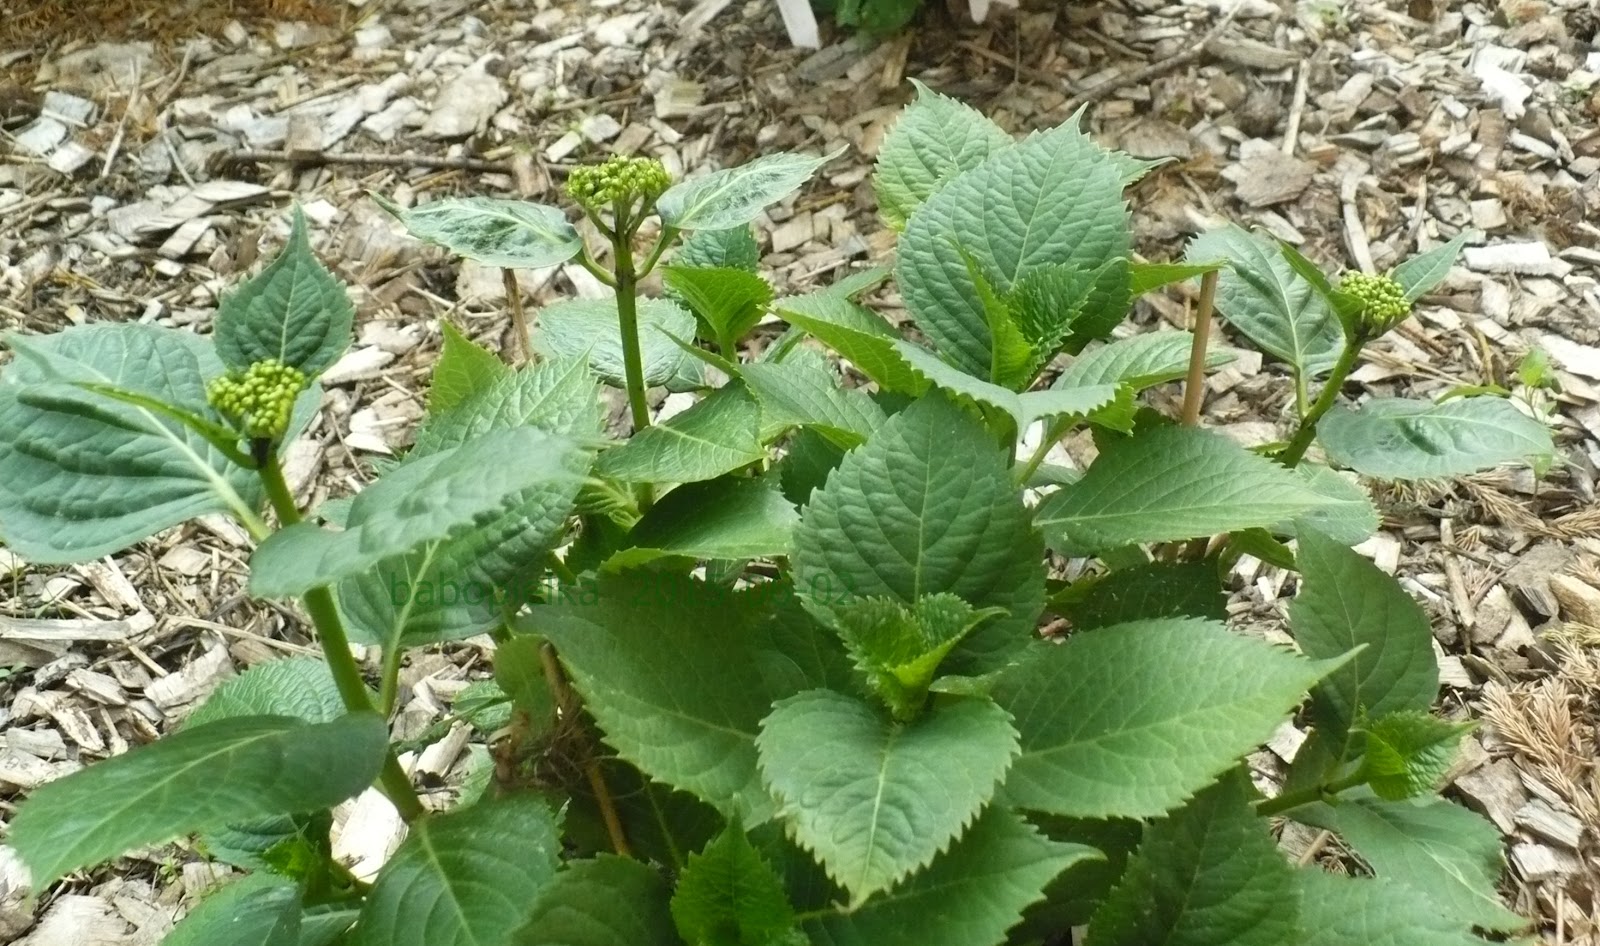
{"x":1337,"y":910}
{"x":323,"y":925}
{"x":484,"y":705}
{"x":433,"y":499}
{"x":84,"y":475}
{"x":519,"y":672}
{"x":1170,"y":483}
{"x":729,"y":518}
{"x":1148,"y":277}
{"x":1262,"y":296}
{"x":462,"y":586}
{"x":876,"y":800}
{"x":969,"y":895}
{"x":295,"y":311}
{"x":577,"y":328}
{"x":514,"y":234}
{"x":1055,"y":198}
{"x":1101,"y":714}
{"x":801,"y":391}
{"x":1346,"y":602}
{"x":1072,"y":898}
{"x":861,"y":336}
{"x":1400,"y":439}
{"x":735,"y":248}
{"x":718,"y":435}
{"x":606,"y":901}
{"x":463,"y":369}
{"x":1346,"y":513}
{"x":1442,"y":854}
{"x":258,"y":910}
{"x":1208,"y":873}
{"x":678,"y":674}
{"x":728,"y":895}
{"x":200,"y":779}
{"x":301,"y":687}
{"x":926,"y":506}
{"x":1024,"y":408}
{"x":899,"y":648}
{"x":731,"y":301}
{"x":1141,"y":361}
{"x":1407,"y":753}
{"x":1151,"y":590}
{"x":464,"y":878}
{"x":934,"y":139}
{"x":1061,"y":300}
{"x":735,"y":196}
{"x":1419,"y":274}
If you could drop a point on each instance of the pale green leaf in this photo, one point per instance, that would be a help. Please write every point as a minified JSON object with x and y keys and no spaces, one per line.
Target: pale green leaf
{"x":258,"y":910}
{"x":1419,"y":274}
{"x":83,"y":474}
{"x":1208,"y":873}
{"x":294,"y":311}
{"x":735,"y":247}
{"x":433,"y":499}
{"x":1345,"y":514}
{"x":1346,"y":602}
{"x":515,"y":234}
{"x":1401,"y":439}
{"x":876,"y":800}
{"x":1142,"y":361}
{"x":718,"y":435}
{"x":934,"y":139}
{"x":463,"y":369}
{"x":200,"y":779}
{"x":802,"y":391}
{"x":926,"y":506}
{"x":1263,"y":297}
{"x":606,"y":901}
{"x":861,"y":336}
{"x":731,"y":301}
{"x":1054,"y":199}
{"x":1442,"y":854}
{"x":1170,"y":483}
{"x":1131,"y":720}
{"x":729,"y":518}
{"x":968,"y":896}
{"x":1337,"y":910}
{"x":577,"y":328}
{"x":1148,"y":277}
{"x":1407,"y":753}
{"x":464,"y":878}
{"x":301,"y":687}
{"x":728,"y":895}
{"x":733,"y":196}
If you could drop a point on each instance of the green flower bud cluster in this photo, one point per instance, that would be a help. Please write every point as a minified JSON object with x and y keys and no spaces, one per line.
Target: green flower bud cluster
{"x":617,"y":179}
{"x":260,"y":398}
{"x":1383,"y":300}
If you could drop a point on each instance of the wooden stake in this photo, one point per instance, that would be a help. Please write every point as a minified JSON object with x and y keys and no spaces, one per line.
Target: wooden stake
{"x":1194,"y":386}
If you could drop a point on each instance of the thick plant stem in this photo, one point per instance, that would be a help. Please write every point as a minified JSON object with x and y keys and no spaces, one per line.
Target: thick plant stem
{"x":1307,"y":431}
{"x":1194,"y":386}
{"x":567,"y":703}
{"x":519,"y":321}
{"x":1289,"y":801}
{"x":1054,"y":432}
{"x":335,"y":643}
{"x":628,"y":324}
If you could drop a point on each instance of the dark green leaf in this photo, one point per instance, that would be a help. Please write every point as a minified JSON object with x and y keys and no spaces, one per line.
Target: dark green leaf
{"x":730,"y":518}
{"x":258,"y":910}
{"x":1148,"y":277}
{"x":607,"y":901}
{"x":1263,"y":297}
{"x":802,"y":391}
{"x":728,"y":895}
{"x":730,"y":301}
{"x":934,"y":139}
{"x":718,"y":435}
{"x":1337,"y":910}
{"x":1152,"y":590}
{"x":1419,"y":274}
{"x":861,"y":336}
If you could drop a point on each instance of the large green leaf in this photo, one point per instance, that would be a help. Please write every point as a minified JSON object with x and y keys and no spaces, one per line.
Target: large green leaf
{"x":301,"y":687}
{"x":323,"y":925}
{"x":802,"y":391}
{"x":577,"y":328}
{"x":83,"y":474}
{"x":1206,"y":874}
{"x":734,"y":196}
{"x":679,"y":674}
{"x":969,"y":896}
{"x":463,"y":585}
{"x":1024,"y":408}
{"x":1056,"y":198}
{"x":258,"y":910}
{"x":730,"y":301}
{"x":1346,"y":602}
{"x":196,"y":780}
{"x":606,"y":901}
{"x":1141,"y":360}
{"x":934,"y":139}
{"x":463,"y":369}
{"x":1274,"y":306}
{"x":728,"y":895}
{"x":494,"y":231}
{"x":464,"y":878}
{"x":1131,"y":720}
{"x":1170,"y":483}
{"x":926,"y":506}
{"x":718,"y":435}
{"x":858,"y":334}
{"x":1345,"y":514}
{"x":1151,"y":590}
{"x":876,"y":800}
{"x":1401,"y":439}
{"x":1337,"y":910}
{"x":1443,"y":854}
{"x":433,"y":499}
{"x":294,"y":311}
{"x":730,"y":518}
{"x":735,"y":247}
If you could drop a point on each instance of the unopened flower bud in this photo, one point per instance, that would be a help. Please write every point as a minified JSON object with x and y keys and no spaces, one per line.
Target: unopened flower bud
{"x":260,"y":398}
{"x":1383,"y":300}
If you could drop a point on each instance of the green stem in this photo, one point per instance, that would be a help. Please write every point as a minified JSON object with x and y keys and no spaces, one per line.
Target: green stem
{"x":595,"y":269}
{"x":1288,"y":801}
{"x":1307,"y":431}
{"x":335,"y":643}
{"x":669,"y":234}
{"x":628,"y":324}
{"x":1052,"y":434}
